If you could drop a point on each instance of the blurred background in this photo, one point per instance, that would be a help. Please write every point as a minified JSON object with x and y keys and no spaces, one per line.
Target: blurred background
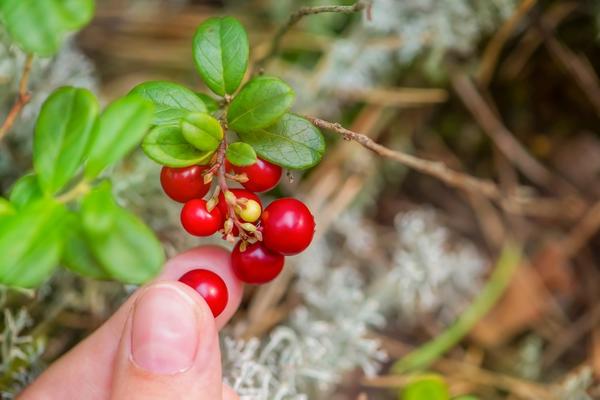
{"x":505,"y":90}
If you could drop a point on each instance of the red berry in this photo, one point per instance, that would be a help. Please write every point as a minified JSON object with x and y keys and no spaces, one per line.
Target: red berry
{"x":262,"y":175}
{"x":210,"y":286}
{"x":257,"y":264}
{"x":288,"y":226}
{"x":198,"y":221}
{"x":184,"y":184}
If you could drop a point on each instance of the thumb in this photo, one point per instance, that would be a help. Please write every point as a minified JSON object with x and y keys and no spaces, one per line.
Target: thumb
{"x":169,"y":347}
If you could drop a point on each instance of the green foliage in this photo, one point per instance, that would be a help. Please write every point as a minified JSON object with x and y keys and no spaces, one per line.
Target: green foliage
{"x":62,"y":134}
{"x":129,"y":252}
{"x":241,"y":154}
{"x":36,"y":229}
{"x":77,"y":255}
{"x":258,"y":113}
{"x":30,"y":243}
{"x":117,"y":241}
{"x":167,"y":146}
{"x":38,"y":26}
{"x":119,"y":129}
{"x":212,"y":105}
{"x":221,"y":54}
{"x":202,"y":131}
{"x":292,"y":142}
{"x":426,"y":387}
{"x":24,"y":191}
{"x":5,"y":207}
{"x":260,"y":103}
{"x":171,"y":101}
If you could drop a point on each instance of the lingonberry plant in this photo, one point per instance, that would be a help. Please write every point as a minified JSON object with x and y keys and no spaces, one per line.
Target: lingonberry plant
{"x":244,"y":138}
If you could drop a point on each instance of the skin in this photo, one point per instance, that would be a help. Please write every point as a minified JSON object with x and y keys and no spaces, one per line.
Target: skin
{"x":102,"y":366}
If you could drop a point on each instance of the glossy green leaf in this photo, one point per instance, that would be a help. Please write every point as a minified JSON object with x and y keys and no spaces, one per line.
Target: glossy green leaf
{"x":119,"y":129}
{"x":38,"y":26}
{"x":426,"y":387}
{"x":259,"y":104}
{"x":97,"y":209}
{"x":62,"y":134}
{"x":77,"y":255}
{"x":212,"y":105}
{"x":171,"y":101}
{"x":202,"y":131}
{"x":240,"y":154}
{"x":129,"y":252}
{"x":221,"y":51}
{"x":30,"y":243}
{"x":25,"y":190}
{"x":6,"y":208}
{"x":167,"y":146}
{"x":292,"y":142}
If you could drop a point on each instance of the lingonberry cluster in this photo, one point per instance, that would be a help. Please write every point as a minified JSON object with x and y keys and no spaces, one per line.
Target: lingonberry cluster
{"x":264,"y":235}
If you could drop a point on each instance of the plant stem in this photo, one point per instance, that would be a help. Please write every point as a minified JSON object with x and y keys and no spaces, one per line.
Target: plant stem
{"x":23,"y":98}
{"x":425,"y":355}
{"x":436,"y":169}
{"x":297,"y":16}
{"x":78,"y":190}
{"x":515,"y":203}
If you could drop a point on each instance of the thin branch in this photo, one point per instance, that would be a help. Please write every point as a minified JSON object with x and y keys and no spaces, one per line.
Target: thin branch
{"x":494,"y":47}
{"x":436,"y":169}
{"x":23,"y":98}
{"x":297,"y":16}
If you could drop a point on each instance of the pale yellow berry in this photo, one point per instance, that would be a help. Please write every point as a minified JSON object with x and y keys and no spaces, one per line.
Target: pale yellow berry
{"x":250,"y":212}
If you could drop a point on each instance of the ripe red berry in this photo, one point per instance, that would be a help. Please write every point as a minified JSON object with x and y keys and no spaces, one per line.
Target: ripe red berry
{"x":198,"y":221}
{"x":257,"y":264}
{"x":239,"y":194}
{"x":184,"y":184}
{"x":288,"y":226}
{"x":262,"y":175}
{"x":210,"y":286}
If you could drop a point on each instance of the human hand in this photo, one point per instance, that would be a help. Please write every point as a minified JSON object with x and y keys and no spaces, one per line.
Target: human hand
{"x":162,"y":343}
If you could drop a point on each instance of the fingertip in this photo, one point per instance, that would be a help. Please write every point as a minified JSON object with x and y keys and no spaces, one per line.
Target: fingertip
{"x":213,"y":258}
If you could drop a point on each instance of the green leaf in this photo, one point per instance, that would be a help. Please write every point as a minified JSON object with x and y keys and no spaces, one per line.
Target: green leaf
{"x":212,"y":105}
{"x":31,"y":243}
{"x":167,"y":146}
{"x":62,"y":134}
{"x":240,"y":154}
{"x":292,"y":142}
{"x":119,"y":129}
{"x":221,"y":51}
{"x":6,"y":208}
{"x":25,"y":190}
{"x":38,"y":26}
{"x":202,"y":131}
{"x":259,"y":104}
{"x":426,"y":387}
{"x":97,"y":209}
{"x":130,"y":252}
{"x":119,"y":243}
{"x":77,"y":255}
{"x":171,"y":101}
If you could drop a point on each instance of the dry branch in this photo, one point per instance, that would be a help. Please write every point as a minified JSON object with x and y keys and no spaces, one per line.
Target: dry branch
{"x":23,"y":98}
